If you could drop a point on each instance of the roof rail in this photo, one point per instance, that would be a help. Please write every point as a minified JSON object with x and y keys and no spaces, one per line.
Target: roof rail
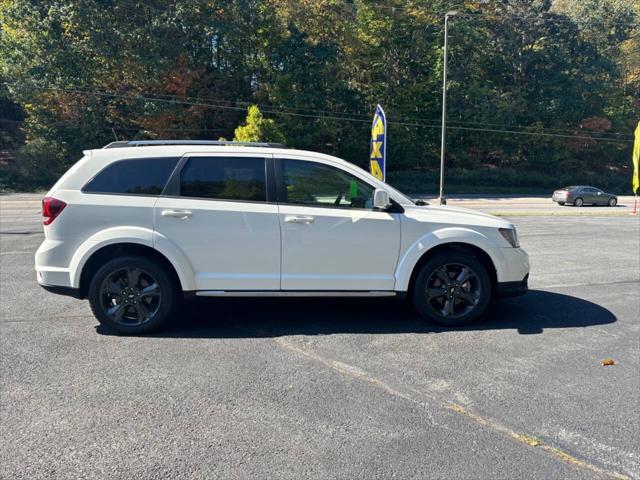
{"x":151,"y":143}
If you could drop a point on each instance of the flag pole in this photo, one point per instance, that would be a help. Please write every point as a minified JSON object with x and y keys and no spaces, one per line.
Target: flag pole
{"x":636,"y":168}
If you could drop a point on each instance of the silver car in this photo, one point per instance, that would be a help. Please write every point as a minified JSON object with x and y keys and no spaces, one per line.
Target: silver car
{"x":583,"y":195}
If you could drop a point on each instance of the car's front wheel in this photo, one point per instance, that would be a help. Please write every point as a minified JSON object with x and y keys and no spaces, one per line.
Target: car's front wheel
{"x":132,"y":295}
{"x":452,"y":289}
{"x":561,"y":203}
{"x":613,"y":202}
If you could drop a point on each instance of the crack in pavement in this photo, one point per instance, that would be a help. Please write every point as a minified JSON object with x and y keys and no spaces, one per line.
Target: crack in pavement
{"x":482,"y":420}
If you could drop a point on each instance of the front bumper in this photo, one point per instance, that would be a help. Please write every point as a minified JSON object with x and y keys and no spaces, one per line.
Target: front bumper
{"x":512,"y":289}
{"x":512,"y":264}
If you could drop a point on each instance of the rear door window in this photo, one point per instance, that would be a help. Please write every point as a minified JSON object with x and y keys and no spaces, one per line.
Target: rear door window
{"x":225,"y":178}
{"x":135,"y":176}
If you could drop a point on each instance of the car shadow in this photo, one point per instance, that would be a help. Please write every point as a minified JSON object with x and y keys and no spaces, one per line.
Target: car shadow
{"x":617,"y":205}
{"x":274,"y":317}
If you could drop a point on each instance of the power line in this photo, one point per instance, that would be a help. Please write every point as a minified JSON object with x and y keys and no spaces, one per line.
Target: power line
{"x":327,"y":117}
{"x":367,"y":116}
{"x":334,"y":115}
{"x":72,"y":124}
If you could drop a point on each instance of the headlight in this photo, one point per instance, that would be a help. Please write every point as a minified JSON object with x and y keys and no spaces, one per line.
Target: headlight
{"x":510,"y":236}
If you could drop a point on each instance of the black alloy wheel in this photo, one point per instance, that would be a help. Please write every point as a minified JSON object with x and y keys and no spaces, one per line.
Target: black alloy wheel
{"x":133,"y":295}
{"x":452,"y":289}
{"x":130,"y":296}
{"x":613,"y":202}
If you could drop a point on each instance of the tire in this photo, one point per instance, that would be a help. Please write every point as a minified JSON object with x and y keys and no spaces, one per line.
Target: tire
{"x":141,"y":308}
{"x":561,"y":204}
{"x":612,"y":202}
{"x":447,"y":306}
{"x":578,"y":202}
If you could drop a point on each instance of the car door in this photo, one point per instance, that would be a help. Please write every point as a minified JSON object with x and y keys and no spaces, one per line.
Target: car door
{"x":218,"y":211}
{"x":591,"y":195}
{"x":332,"y":239}
{"x":599,"y":197}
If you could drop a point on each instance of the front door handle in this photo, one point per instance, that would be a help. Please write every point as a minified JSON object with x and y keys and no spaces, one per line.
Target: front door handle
{"x":299,"y":219}
{"x":182,"y":214}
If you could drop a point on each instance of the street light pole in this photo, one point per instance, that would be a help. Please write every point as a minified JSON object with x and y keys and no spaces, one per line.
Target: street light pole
{"x":443,"y":201}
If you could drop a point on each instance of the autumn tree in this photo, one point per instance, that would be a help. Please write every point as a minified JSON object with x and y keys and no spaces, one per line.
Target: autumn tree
{"x":540,"y":92}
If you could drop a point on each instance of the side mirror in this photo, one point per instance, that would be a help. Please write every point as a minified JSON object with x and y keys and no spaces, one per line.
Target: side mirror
{"x":381,"y":199}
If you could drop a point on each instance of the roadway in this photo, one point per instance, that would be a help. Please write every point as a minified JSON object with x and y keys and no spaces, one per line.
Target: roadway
{"x":292,"y":388}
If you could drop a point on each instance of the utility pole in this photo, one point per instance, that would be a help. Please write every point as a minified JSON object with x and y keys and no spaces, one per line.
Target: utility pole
{"x":443,"y":200}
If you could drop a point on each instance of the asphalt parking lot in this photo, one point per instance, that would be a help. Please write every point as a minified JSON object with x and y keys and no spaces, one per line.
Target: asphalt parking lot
{"x":276,"y":388}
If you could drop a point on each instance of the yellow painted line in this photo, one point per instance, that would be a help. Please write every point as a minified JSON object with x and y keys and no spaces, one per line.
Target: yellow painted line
{"x":532,"y":441}
{"x":525,"y":439}
{"x":344,"y":369}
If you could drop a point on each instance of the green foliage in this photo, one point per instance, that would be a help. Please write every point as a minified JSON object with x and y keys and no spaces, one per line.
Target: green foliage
{"x":503,"y":180}
{"x":256,"y":128}
{"x":547,"y":89}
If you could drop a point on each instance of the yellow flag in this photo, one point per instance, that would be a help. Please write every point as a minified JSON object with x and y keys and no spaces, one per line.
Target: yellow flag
{"x":636,"y":157}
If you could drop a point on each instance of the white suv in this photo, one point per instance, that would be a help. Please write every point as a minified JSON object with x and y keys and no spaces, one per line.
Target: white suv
{"x":137,"y":226}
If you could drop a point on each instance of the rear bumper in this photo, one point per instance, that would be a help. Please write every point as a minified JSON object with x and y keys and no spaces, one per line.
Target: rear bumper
{"x":512,"y":289}
{"x":52,"y":263}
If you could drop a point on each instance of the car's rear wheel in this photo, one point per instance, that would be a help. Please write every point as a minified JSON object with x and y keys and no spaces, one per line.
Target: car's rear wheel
{"x":132,"y":295}
{"x":578,"y":202}
{"x":452,"y":289}
{"x":612,"y":202}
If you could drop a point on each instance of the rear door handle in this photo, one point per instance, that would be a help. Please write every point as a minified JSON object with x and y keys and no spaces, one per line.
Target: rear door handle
{"x":299,"y":219}
{"x":182,"y":214}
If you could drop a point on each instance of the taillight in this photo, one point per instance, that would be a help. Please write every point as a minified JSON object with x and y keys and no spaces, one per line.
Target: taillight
{"x":51,"y":208}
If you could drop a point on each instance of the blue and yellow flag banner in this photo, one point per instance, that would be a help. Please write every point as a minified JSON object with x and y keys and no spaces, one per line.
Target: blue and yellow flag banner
{"x":378,"y":155}
{"x":636,"y":159}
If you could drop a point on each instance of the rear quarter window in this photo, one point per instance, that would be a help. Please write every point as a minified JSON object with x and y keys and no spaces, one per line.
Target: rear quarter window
{"x":135,"y":176}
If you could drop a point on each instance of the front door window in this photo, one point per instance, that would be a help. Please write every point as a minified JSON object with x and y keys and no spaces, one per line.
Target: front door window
{"x":316,"y":184}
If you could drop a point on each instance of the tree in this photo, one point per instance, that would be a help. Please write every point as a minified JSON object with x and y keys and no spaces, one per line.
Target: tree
{"x":523,"y":73}
{"x":256,"y":128}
